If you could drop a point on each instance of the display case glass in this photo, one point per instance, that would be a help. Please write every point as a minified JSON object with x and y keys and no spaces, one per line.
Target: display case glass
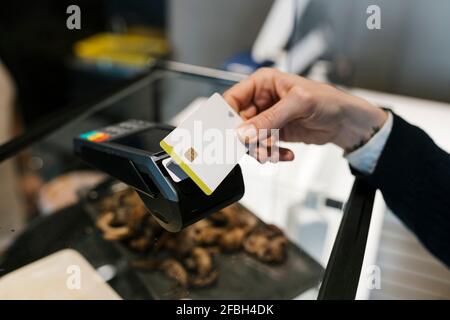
{"x":294,"y":197}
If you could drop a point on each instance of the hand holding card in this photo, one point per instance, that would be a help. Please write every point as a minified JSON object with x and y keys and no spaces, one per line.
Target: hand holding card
{"x":205,"y":145}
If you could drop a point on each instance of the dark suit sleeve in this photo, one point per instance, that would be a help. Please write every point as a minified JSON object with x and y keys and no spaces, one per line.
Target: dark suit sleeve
{"x":413,"y":174}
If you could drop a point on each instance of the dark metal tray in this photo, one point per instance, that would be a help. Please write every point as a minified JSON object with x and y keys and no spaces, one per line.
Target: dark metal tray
{"x":240,"y":275}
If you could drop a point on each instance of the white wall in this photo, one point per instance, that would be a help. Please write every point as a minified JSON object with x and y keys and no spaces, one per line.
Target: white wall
{"x":206,"y":32}
{"x":410,"y":55}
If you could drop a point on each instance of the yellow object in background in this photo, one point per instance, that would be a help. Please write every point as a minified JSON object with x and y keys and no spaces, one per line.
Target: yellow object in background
{"x":135,"y":48}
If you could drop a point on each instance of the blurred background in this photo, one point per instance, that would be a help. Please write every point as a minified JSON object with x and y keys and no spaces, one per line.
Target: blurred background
{"x":408,"y":56}
{"x":44,"y":67}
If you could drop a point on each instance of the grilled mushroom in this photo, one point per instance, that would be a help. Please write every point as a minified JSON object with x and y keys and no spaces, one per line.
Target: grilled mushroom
{"x":124,"y":217}
{"x":267,"y":244}
{"x":232,"y":240}
{"x":175,"y":270}
{"x":203,"y":281}
{"x":104,"y":223}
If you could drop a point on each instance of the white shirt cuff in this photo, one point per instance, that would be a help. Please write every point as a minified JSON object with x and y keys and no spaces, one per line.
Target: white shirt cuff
{"x":365,"y":159}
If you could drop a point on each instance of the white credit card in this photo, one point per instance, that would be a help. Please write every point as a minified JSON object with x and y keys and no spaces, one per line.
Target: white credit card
{"x":205,"y":145}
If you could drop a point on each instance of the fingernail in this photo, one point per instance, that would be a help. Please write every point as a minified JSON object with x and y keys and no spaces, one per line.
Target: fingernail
{"x":247,"y":133}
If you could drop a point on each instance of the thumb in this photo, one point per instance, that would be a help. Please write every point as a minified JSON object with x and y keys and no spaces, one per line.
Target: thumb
{"x":275,"y":117}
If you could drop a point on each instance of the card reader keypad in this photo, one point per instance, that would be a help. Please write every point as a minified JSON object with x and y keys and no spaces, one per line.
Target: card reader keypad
{"x":115,"y":131}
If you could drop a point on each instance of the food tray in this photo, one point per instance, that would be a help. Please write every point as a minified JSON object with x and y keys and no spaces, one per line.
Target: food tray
{"x":241,"y":276}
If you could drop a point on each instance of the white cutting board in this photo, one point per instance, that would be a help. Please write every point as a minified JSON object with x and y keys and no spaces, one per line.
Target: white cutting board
{"x":64,"y":275}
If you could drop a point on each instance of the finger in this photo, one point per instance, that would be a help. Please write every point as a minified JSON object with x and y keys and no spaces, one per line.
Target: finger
{"x":286,"y":154}
{"x":259,"y":89}
{"x":296,"y":104}
{"x":269,"y":142}
{"x":281,"y":154}
{"x":264,"y":151}
{"x":262,"y":155}
{"x":249,"y":135}
{"x":274,"y":156}
{"x":275,"y":152}
{"x":249,"y":112}
{"x":272,"y":118}
{"x":240,"y":95}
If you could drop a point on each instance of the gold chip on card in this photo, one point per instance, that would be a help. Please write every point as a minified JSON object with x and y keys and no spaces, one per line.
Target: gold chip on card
{"x":190,"y":154}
